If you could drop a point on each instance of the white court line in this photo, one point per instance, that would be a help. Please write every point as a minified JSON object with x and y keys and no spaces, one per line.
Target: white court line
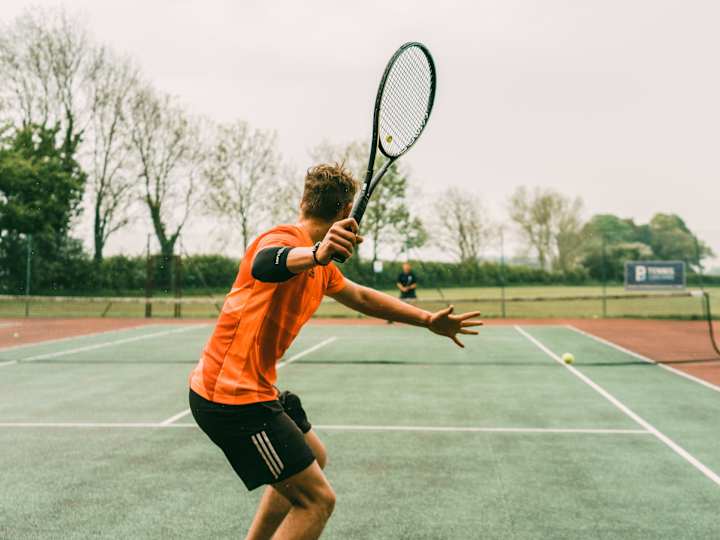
{"x":444,"y":429}
{"x":299,"y":355}
{"x":679,"y":450}
{"x":82,"y":425}
{"x":69,"y":338}
{"x":620,"y":348}
{"x":9,"y":324}
{"x":111,"y":343}
{"x":484,"y":429}
{"x":104,"y":344}
{"x":290,"y":360}
{"x":174,"y":417}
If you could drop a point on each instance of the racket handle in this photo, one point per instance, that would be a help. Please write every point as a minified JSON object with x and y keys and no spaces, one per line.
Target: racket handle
{"x":358,"y":210}
{"x":357,"y":213}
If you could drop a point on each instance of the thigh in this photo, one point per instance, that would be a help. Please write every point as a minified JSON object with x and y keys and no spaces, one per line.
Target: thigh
{"x":317,"y":447}
{"x":306,"y":487}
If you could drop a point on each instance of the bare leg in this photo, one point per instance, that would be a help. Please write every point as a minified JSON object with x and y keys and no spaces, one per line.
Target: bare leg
{"x":271,"y":511}
{"x":273,"y":505}
{"x":312,"y":501}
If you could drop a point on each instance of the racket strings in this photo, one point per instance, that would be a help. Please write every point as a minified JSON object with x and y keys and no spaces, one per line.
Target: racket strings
{"x":405,"y":85}
{"x":405,"y":109}
{"x":418,"y":65}
{"x":406,"y":101}
{"x":404,"y":118}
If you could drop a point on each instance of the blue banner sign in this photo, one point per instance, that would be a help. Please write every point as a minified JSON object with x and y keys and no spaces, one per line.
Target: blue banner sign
{"x":654,"y":275}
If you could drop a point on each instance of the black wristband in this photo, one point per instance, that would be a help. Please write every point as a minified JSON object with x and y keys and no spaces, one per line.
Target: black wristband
{"x":314,"y":252}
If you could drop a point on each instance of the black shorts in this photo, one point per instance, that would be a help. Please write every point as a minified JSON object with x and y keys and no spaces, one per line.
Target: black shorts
{"x":261,"y":442}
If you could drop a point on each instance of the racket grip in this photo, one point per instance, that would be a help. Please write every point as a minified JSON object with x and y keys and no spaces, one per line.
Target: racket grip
{"x":358,"y":210}
{"x":357,"y":213}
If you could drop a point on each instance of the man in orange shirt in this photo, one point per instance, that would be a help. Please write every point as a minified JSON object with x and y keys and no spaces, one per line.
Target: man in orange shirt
{"x":265,"y":435}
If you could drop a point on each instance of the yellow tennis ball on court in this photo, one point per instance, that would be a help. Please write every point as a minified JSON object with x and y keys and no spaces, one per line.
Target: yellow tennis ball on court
{"x":568,"y":358}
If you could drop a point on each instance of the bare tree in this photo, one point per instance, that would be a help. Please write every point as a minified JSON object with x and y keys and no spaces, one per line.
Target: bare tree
{"x":286,"y":191}
{"x":54,"y":75}
{"x":354,"y":156}
{"x":109,"y":144}
{"x":166,"y":144}
{"x":568,"y":239}
{"x":463,"y":228}
{"x":240,"y":171}
{"x":45,"y":61}
{"x":550,"y":224}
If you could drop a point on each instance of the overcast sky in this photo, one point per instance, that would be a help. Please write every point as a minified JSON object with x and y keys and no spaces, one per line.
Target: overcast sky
{"x":614,"y":101}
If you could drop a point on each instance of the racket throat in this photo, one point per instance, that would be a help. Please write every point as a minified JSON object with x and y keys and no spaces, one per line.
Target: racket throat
{"x":368,"y":187}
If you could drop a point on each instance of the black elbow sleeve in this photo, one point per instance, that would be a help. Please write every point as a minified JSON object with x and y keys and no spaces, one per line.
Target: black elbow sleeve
{"x":270,"y":265}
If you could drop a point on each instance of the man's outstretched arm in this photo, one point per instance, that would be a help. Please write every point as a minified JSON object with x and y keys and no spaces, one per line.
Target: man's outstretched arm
{"x":377,"y":304}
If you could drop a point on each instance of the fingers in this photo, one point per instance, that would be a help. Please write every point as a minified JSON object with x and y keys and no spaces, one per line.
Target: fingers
{"x":445,"y":312}
{"x":341,"y":239}
{"x":359,"y":239}
{"x":463,"y":324}
{"x":348,"y":224}
{"x":468,"y":315}
{"x":344,"y":242}
{"x":339,"y":232}
{"x":457,"y":341}
{"x":470,"y":332}
{"x":335,"y":248}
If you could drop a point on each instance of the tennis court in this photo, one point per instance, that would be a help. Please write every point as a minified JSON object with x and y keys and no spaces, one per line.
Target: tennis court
{"x":499,"y":440}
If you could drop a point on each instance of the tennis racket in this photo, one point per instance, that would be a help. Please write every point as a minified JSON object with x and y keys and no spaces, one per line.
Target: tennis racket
{"x":402,"y":109}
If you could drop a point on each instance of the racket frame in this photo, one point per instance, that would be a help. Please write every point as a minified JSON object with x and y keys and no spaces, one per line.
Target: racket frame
{"x":372,"y":180}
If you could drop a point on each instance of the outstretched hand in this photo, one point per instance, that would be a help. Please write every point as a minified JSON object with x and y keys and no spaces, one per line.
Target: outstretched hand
{"x":444,"y":323}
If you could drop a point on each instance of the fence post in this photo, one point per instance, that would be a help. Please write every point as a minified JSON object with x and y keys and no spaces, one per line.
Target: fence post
{"x":604,"y":278}
{"x":502,"y":274}
{"x":28,"y":269}
{"x":149,"y":282}
{"x":177,"y":277}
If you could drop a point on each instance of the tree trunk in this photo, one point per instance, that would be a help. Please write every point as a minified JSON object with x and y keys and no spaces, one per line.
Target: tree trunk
{"x":167,"y":264}
{"x":167,"y":248}
{"x":98,"y":237}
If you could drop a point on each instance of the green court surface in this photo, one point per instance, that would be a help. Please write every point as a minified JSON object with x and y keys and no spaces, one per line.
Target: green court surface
{"x":426,"y":440}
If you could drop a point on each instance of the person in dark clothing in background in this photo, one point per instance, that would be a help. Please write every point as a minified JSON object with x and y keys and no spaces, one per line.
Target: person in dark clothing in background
{"x":407,"y":283}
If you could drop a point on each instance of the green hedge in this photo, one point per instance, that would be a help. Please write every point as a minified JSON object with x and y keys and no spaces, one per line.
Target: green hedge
{"x":121,"y":275}
{"x":438,"y":274}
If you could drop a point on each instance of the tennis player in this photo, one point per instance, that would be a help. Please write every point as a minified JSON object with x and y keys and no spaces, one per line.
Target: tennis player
{"x":265,"y":434}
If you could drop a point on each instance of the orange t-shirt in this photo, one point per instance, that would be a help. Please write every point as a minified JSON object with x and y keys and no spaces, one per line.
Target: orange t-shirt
{"x":258,"y":323}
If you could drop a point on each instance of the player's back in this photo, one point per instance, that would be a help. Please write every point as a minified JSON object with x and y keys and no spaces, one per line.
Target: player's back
{"x":258,"y":323}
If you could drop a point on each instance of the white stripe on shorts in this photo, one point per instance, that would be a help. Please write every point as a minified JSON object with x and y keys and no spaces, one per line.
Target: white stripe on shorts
{"x":270,"y":451}
{"x":277,"y":459}
{"x":263,"y":454}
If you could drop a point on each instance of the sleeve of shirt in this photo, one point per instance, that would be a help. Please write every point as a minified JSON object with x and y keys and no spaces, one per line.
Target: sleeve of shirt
{"x":336,"y":281}
{"x":275,"y":239}
{"x":278,"y":239}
